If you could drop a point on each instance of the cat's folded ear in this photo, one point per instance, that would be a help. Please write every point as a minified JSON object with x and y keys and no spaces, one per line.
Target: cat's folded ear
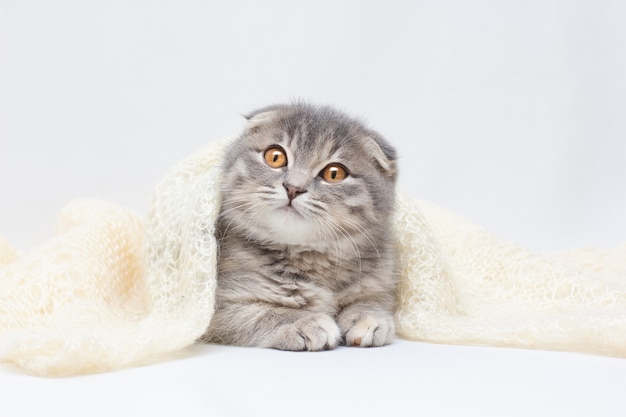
{"x":260,"y":117}
{"x":383,"y":153}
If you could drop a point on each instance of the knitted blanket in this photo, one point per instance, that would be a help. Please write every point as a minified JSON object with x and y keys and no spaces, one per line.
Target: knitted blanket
{"x":113,"y":290}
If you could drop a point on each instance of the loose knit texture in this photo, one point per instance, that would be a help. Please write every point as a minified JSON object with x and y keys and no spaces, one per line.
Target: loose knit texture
{"x":112,"y":290}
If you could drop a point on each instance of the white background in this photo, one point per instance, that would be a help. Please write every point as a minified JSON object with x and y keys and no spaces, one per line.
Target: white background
{"x":512,"y":113}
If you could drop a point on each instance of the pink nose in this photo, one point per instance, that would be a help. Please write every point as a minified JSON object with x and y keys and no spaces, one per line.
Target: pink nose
{"x":293,"y":191}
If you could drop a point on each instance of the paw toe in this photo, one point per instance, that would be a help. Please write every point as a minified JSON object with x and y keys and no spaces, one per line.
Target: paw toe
{"x":370,"y":331}
{"x":313,"y":333}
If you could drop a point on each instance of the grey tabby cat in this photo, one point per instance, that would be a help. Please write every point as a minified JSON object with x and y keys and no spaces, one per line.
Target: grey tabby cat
{"x":307,"y":259}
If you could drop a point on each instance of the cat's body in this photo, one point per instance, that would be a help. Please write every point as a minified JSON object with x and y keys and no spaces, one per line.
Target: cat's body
{"x":307,"y":257}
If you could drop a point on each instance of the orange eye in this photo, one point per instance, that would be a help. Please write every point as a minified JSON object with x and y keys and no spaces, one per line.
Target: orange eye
{"x":334,"y":173}
{"x":275,"y":157}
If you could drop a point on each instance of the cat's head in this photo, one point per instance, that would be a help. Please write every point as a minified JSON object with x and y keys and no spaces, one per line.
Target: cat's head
{"x":307,"y":175}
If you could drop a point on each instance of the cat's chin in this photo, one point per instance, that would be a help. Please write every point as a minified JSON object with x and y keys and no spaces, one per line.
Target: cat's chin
{"x":287,"y":226}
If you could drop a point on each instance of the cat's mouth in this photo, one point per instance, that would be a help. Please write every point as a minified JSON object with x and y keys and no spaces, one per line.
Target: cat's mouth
{"x":290,"y":210}
{"x":292,"y":225}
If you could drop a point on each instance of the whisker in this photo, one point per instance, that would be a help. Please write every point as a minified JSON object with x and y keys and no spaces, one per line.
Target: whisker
{"x":349,"y":238}
{"x":365,"y":233}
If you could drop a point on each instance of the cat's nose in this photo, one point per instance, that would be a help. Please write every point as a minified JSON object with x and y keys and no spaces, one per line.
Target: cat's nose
{"x":293,"y":191}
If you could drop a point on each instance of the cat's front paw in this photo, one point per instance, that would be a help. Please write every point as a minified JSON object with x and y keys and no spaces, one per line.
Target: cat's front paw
{"x":314,"y":332}
{"x":367,"y":329}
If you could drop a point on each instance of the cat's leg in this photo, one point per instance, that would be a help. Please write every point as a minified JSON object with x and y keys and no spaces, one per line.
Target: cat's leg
{"x":366,"y":325}
{"x":263,"y":325}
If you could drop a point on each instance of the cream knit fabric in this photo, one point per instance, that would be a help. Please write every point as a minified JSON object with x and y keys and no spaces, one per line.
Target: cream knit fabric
{"x":109,"y":292}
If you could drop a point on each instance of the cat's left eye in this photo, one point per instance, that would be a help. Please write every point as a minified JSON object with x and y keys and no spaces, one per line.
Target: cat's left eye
{"x":275,"y":157}
{"x":334,"y":173}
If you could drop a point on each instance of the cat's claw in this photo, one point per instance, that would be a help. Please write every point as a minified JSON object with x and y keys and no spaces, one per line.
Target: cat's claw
{"x":314,"y":332}
{"x":367,"y":329}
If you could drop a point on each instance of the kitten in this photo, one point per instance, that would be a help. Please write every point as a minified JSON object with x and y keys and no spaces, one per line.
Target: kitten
{"x":307,"y":258}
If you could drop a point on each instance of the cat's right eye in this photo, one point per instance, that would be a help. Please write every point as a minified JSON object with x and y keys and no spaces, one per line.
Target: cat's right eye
{"x":275,"y":157}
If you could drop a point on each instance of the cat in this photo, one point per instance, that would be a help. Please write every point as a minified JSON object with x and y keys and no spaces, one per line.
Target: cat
{"x":307,"y":258}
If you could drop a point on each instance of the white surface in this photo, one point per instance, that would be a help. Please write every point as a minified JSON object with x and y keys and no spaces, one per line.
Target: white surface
{"x":511,"y":113}
{"x":403,"y":379}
